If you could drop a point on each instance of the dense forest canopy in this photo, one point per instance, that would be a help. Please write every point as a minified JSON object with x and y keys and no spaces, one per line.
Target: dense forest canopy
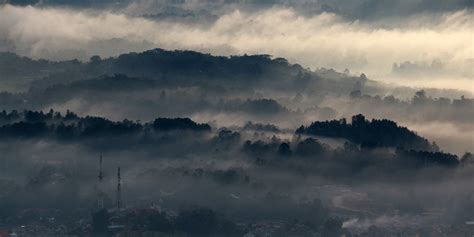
{"x":360,"y":134}
{"x":375,"y":133}
{"x":33,"y":123}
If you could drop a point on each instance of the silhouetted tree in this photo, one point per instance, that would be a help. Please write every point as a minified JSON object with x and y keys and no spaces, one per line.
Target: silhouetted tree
{"x":284,"y":149}
{"x":166,"y":124}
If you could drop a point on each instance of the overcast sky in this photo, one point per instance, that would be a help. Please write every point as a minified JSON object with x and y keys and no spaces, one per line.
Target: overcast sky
{"x":361,"y":35}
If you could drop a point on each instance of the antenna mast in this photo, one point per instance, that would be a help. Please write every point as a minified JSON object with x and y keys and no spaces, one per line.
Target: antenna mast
{"x":100,"y":199}
{"x":119,"y":190}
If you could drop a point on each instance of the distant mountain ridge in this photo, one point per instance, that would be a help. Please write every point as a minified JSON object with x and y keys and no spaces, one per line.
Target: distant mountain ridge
{"x":180,"y":68}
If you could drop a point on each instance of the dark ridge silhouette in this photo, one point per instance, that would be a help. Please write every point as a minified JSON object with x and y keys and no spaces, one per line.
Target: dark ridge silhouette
{"x":174,"y":68}
{"x":261,"y":127}
{"x":369,"y":134}
{"x":29,"y":124}
{"x":424,"y":158}
{"x":12,"y":65}
{"x":167,"y":124}
{"x":24,"y":129}
{"x":159,"y":61}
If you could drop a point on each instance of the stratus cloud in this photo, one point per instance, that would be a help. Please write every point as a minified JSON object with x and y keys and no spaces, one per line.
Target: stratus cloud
{"x":323,"y":40}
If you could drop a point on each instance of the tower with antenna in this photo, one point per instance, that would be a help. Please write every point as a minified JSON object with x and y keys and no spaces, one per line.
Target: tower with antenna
{"x":100,"y":198}
{"x":119,"y":190}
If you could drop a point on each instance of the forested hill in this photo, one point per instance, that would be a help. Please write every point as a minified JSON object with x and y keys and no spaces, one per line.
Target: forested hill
{"x":161,"y":62}
{"x":15,"y":66}
{"x":369,"y":134}
{"x":181,"y":68}
{"x":29,"y":124}
{"x":164,"y":135}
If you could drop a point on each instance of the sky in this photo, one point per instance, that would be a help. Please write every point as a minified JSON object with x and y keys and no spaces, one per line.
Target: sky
{"x":430,"y":38}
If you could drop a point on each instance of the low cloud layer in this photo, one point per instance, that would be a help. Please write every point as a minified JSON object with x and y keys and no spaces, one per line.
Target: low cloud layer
{"x":367,"y":10}
{"x":306,"y":39}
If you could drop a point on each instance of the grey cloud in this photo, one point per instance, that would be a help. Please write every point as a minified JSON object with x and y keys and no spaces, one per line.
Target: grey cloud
{"x":361,"y":47}
{"x":358,"y":9}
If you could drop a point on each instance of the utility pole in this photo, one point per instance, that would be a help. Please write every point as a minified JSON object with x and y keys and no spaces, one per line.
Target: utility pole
{"x":119,"y":191}
{"x":100,"y":199}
